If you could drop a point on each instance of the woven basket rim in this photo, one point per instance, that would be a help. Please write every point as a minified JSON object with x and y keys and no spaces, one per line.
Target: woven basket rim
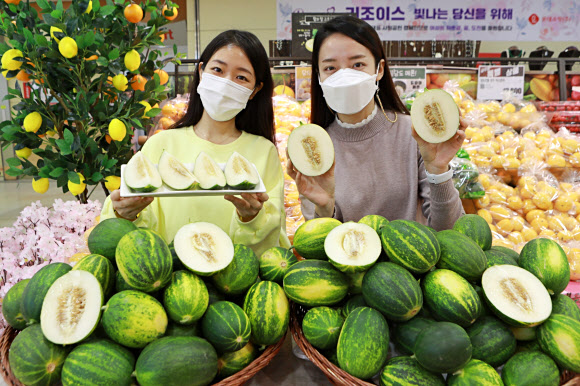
{"x":238,"y":378}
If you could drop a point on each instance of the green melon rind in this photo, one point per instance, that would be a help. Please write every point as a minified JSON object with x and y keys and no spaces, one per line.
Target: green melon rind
{"x":102,"y":269}
{"x":484,"y":308}
{"x":11,"y":305}
{"x":393,"y":291}
{"x":98,"y":362}
{"x":322,"y":326}
{"x":105,"y":236}
{"x":495,"y":257}
{"x":315,"y":283}
{"x":240,"y":274}
{"x":185,"y":298}
{"x":547,"y":260}
{"x":177,"y":360}
{"x":226,"y":327}
{"x":355,"y":282}
{"x":233,"y":362}
{"x":352,"y":303}
{"x":562,"y":304}
{"x":443,"y":347}
{"x":476,"y":372}
{"x":309,"y":237}
{"x":405,"y":334}
{"x":559,"y":336}
{"x":524,"y":333}
{"x":508,"y":251}
{"x":411,"y":245}
{"x":375,"y":221}
{"x":176,"y":329}
{"x":407,"y":371}
{"x":269,"y":312}
{"x":492,"y":341}
{"x":476,"y":228}
{"x":363,"y":343}
{"x":461,"y":254}
{"x":275,"y":262}
{"x":528,"y":368}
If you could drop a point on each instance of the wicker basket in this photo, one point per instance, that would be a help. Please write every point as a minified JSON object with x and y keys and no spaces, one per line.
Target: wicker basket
{"x":338,"y":376}
{"x":239,"y":378}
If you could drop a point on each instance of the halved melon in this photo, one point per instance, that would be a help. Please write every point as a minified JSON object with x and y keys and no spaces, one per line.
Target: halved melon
{"x":208,"y":173}
{"x":204,"y":248}
{"x":311,"y":150}
{"x":71,"y":308}
{"x":240,"y":173}
{"x":141,"y":175}
{"x":175,"y":174}
{"x":516,"y":296}
{"x":435,"y":116}
{"x":352,"y":247}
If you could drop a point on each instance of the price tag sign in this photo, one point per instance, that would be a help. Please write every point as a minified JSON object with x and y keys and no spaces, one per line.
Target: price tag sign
{"x":494,"y":81}
{"x":408,"y":79}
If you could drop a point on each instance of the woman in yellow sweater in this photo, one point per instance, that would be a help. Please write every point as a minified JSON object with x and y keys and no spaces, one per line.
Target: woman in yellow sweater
{"x":230,"y":109}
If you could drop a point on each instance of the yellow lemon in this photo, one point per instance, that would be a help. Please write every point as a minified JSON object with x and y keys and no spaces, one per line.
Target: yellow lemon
{"x":528,"y":108}
{"x":32,"y":122}
{"x":470,"y":132}
{"x":484,"y":180}
{"x":40,"y":185}
{"x":478,"y":137}
{"x":117,"y":130}
{"x":132,"y":60}
{"x":530,"y":135}
{"x":8,"y":62}
{"x":486,"y":215}
{"x":548,"y":233}
{"x":512,"y":163}
{"x":89,"y":7}
{"x":508,"y":108}
{"x":120,"y":82}
{"x":52,"y":31}
{"x":555,"y":224}
{"x":515,"y":203}
{"x":505,"y":226}
{"x":498,"y":161}
{"x":482,"y":202}
{"x":502,"y":243}
{"x":556,"y":160}
{"x":519,"y":223}
{"x":77,"y":189}
{"x":528,"y":206}
{"x":112,"y":183}
{"x":499,"y":212}
{"x":486,"y":151}
{"x":534,"y":214}
{"x":147,"y":108}
{"x":539,"y":224}
{"x":68,"y":47}
{"x":24,"y":153}
{"x":563,"y":203}
{"x":516,"y":238}
{"x":529,"y":234}
{"x":542,"y":200}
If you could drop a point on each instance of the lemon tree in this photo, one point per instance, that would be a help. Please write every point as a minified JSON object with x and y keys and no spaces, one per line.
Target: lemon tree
{"x":80,"y":116}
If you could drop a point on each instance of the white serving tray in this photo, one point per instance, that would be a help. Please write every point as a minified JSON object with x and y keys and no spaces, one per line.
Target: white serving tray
{"x":166,"y":191}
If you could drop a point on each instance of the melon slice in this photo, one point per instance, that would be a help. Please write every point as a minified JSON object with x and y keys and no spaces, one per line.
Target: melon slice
{"x":311,"y":150}
{"x":141,"y":175}
{"x":435,"y":116}
{"x":71,"y":308}
{"x":174,"y":174}
{"x":352,"y":247}
{"x":204,"y":248}
{"x":208,"y":173}
{"x":516,"y":295}
{"x":240,"y":173}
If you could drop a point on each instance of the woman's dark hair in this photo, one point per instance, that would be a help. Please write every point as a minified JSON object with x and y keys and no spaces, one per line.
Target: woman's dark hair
{"x":258,"y":116}
{"x":363,"y":33}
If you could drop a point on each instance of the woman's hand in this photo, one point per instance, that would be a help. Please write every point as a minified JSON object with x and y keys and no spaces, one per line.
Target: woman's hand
{"x":129,"y":207}
{"x":248,"y":205}
{"x":436,"y":156}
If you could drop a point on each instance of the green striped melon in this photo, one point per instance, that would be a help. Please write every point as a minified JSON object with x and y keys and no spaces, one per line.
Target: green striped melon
{"x":104,"y":237}
{"x":375,"y":221}
{"x":451,"y":298}
{"x":443,"y":347}
{"x":214,"y":294}
{"x":405,"y":334}
{"x":315,"y":283}
{"x":411,"y":245}
{"x":559,"y":336}
{"x":352,"y":303}
{"x":393,"y":291}
{"x":547,"y":260}
{"x":11,"y":305}
{"x":101,"y":268}
{"x":177,"y":361}
{"x":352,"y":247}
{"x":269,"y":312}
{"x":407,"y":371}
{"x":98,"y":362}
{"x":531,"y":345}
{"x":177,"y":264}
{"x":524,"y":333}
{"x":530,"y":368}
{"x":186,"y":297}
{"x":34,"y":360}
{"x":492,"y":341}
{"x":121,"y":284}
{"x":461,"y":254}
{"x":275,"y":262}
{"x":495,"y":257}
{"x":226,"y":326}
{"x":240,"y":274}
{"x":363,"y":343}
{"x":176,"y":329}
{"x":233,"y":362}
{"x":134,"y":319}
{"x":562,"y":304}
{"x":475,"y":372}
{"x":309,"y":237}
{"x":508,"y":251}
{"x":355,"y":282}
{"x":34,"y":293}
{"x":144,"y":260}
{"x":484,"y":308}
{"x":321,"y":327}
{"x":476,"y":228}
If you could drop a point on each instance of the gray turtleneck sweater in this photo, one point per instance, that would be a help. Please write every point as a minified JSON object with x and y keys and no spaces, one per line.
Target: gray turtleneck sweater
{"x":379,"y":170}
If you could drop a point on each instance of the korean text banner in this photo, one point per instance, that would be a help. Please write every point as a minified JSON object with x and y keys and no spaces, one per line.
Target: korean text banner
{"x":514,"y":20}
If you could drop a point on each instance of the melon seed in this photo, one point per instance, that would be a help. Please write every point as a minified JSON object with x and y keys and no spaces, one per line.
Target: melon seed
{"x":71,"y":306}
{"x":178,"y":168}
{"x":434,"y":117}
{"x":203,"y":243}
{"x":517,"y":293}
{"x":311,"y":149}
{"x":353,"y":243}
{"x":240,"y":166}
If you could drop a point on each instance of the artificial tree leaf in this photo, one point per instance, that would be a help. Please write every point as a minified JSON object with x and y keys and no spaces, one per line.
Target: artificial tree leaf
{"x":73,"y":177}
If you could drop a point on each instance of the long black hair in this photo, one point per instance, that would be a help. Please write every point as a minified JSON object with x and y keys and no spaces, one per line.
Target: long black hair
{"x":258,"y":116}
{"x":362,"y":33}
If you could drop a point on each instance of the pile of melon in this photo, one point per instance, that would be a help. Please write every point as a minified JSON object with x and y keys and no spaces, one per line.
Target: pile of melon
{"x":137,"y":310}
{"x":455,"y":307}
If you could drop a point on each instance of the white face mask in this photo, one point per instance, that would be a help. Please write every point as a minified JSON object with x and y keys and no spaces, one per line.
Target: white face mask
{"x":222,"y":98}
{"x":348,"y":91}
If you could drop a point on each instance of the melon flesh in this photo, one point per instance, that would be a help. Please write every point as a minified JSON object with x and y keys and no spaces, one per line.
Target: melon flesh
{"x":141,"y":175}
{"x":519,"y":297}
{"x":204,"y":248}
{"x":353,"y":245}
{"x":435,"y":116}
{"x":71,"y":308}
{"x":311,"y":150}
{"x":208,"y":173}
{"x":174,"y":174}
{"x":240,"y":173}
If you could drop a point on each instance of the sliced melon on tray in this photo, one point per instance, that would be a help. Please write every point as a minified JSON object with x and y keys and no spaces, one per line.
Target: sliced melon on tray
{"x":435,"y":116}
{"x":174,"y":173}
{"x":516,"y":295}
{"x":141,"y":175}
{"x":209,"y":173}
{"x":240,"y":173}
{"x":352,"y":247}
{"x":204,"y":248}
{"x":71,"y":308}
{"x":311,"y":150}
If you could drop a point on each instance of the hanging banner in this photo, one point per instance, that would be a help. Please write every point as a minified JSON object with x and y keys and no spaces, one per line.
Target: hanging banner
{"x":516,"y":20}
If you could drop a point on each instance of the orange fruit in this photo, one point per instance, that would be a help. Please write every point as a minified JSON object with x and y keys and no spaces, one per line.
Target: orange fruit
{"x":133,"y":13}
{"x":15,"y":2}
{"x":163,"y":76}
{"x":92,"y":57}
{"x":167,"y":9}
{"x":23,"y":76}
{"x":108,"y":138}
{"x":138,"y":83}
{"x":165,"y":123}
